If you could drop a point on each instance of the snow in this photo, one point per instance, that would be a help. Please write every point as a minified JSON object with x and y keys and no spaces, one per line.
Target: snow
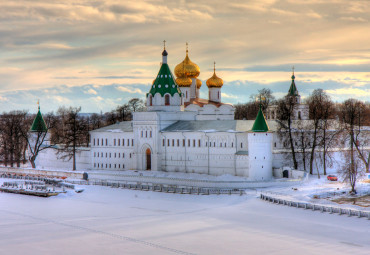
{"x":103,"y":220}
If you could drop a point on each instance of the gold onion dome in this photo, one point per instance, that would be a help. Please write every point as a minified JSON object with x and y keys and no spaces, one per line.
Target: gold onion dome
{"x":187,"y":68}
{"x":199,"y":84}
{"x":183,"y":81}
{"x":214,"y":81}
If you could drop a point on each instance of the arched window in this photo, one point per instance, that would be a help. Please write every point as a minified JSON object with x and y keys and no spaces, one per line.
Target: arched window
{"x":150,"y":100}
{"x":167,"y":99}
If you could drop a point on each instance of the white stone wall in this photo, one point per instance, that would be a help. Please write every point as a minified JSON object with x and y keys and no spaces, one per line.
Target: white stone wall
{"x":214,"y":94}
{"x":211,"y":112}
{"x":116,"y":153}
{"x":49,"y":159}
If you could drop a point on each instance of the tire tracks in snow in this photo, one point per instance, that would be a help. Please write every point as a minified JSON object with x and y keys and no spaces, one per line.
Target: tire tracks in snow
{"x":116,"y":236}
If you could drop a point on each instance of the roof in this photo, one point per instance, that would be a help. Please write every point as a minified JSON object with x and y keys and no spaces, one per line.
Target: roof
{"x":39,"y":124}
{"x":201,"y":102}
{"x":293,"y":91}
{"x":260,"y":124}
{"x":124,"y":126}
{"x":165,"y":82}
{"x":214,"y":126}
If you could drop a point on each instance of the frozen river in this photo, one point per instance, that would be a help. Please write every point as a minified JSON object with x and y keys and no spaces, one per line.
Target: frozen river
{"x":115,"y":221}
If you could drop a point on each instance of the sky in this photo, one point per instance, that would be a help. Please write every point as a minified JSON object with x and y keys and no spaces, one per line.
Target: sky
{"x":100,"y":54}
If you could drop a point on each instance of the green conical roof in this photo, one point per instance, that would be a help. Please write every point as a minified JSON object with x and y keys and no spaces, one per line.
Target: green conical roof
{"x":164,"y":83}
{"x":293,"y":91}
{"x":260,"y":124}
{"x":38,"y":124}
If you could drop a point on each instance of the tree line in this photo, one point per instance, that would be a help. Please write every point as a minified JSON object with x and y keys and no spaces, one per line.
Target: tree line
{"x":68,"y":129}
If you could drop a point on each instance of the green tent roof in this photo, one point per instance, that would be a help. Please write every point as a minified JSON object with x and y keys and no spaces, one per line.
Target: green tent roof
{"x":293,"y":91}
{"x":165,"y":82}
{"x":38,"y":124}
{"x":260,"y":124}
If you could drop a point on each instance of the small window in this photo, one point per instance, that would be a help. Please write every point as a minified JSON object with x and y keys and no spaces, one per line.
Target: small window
{"x":241,"y":145}
{"x":150,"y":134}
{"x":123,"y":155}
{"x":275,"y":145}
{"x":188,"y":142}
{"x":130,"y":155}
{"x":186,"y":94}
{"x":94,"y":141}
{"x":110,"y":155}
{"x":119,"y":142}
{"x":168,"y":142}
{"x":146,"y":134}
{"x":102,"y":142}
{"x":167,"y":99}
{"x":94,"y":164}
{"x":173,"y":142}
{"x":115,"y":166}
{"x":183,"y":142}
{"x":232,"y":144}
{"x":106,"y":142}
{"x":123,"y":142}
{"x":199,"y":143}
{"x":106,"y":154}
{"x":128,"y":142}
{"x":142,"y":133}
{"x":98,"y":165}
{"x":119,"y":155}
{"x":97,"y":141}
{"x":150,"y":100}
{"x":94,"y":154}
{"x":132,"y":142}
{"x":110,"y":166}
{"x":178,"y":143}
{"x":163,"y":142}
{"x":106,"y":165}
{"x":115,"y":155}
{"x":119,"y":165}
{"x":193,"y":142}
{"x":101,"y":154}
{"x":114,"y":142}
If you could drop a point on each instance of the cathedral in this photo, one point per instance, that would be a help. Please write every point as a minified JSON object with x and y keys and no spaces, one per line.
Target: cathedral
{"x":181,"y":132}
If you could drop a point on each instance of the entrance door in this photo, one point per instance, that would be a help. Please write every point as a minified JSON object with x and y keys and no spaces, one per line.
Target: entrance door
{"x":148,"y":159}
{"x":285,"y":174}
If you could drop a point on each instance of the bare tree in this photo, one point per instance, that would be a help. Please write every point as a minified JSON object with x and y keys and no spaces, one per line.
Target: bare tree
{"x":136,"y":105}
{"x":266,"y":96}
{"x":73,"y":133}
{"x":285,"y":119}
{"x":353,"y":118}
{"x":351,"y":169}
{"x":36,"y":136}
{"x":13,"y":144}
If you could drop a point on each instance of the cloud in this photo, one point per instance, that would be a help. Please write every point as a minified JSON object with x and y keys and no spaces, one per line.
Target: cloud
{"x":130,"y":90}
{"x":91,"y":91}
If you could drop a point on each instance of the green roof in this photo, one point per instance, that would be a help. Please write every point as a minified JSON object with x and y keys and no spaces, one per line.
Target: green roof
{"x":38,"y":124}
{"x":260,"y":124}
{"x":293,"y":91}
{"x":165,"y":82}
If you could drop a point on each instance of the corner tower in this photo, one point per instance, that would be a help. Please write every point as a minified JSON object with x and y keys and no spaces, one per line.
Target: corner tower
{"x":260,"y":149}
{"x":164,"y":94}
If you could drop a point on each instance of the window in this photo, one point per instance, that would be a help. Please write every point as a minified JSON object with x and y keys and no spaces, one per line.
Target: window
{"x":163,"y":142}
{"x":106,"y":165}
{"x":98,"y":164}
{"x":186,"y":94}
{"x":110,"y":154}
{"x":123,"y":155}
{"x":168,"y":142}
{"x":150,"y":100}
{"x":173,"y":142}
{"x":299,"y":115}
{"x":106,"y":142}
{"x":97,"y":141}
{"x":110,"y":166}
{"x":102,"y":142}
{"x":115,"y":166}
{"x":114,"y":142}
{"x":150,"y":134}
{"x":146,"y":134}
{"x":183,"y":142}
{"x":275,"y":145}
{"x":119,"y":155}
{"x":101,"y":154}
{"x":199,"y":143}
{"x":178,"y":142}
{"x":130,"y":155}
{"x":142,"y":133}
{"x":241,"y":145}
{"x":218,"y":95}
{"x":206,"y":144}
{"x":128,"y":142}
{"x":119,"y":142}
{"x":106,"y":154}
{"x":94,"y":154}
{"x":94,"y":141}
{"x":123,"y":166}
{"x":193,"y":142}
{"x":188,"y":142}
{"x":123,"y":142}
{"x":94,"y":164}
{"x":119,"y":165}
{"x":232,"y":144}
{"x":115,"y":155}
{"x":167,"y":99}
{"x":132,"y":142}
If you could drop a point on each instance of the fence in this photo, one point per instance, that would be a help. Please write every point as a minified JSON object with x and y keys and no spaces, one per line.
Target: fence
{"x":137,"y":186}
{"x":168,"y":188}
{"x":316,"y":207}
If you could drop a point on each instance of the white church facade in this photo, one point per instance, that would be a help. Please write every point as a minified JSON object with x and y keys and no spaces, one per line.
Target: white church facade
{"x":181,"y":132}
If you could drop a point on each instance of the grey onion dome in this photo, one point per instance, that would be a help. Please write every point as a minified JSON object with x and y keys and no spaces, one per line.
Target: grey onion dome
{"x":164,"y":53}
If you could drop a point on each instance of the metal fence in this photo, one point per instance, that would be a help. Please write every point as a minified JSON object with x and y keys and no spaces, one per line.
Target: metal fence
{"x":161,"y":187}
{"x":316,"y":207}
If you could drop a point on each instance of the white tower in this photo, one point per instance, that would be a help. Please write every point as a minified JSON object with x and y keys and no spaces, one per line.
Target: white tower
{"x":214,"y":85}
{"x":260,"y":150}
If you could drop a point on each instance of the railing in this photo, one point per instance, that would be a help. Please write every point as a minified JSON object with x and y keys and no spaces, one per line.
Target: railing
{"x":316,"y":207}
{"x":162,"y":187}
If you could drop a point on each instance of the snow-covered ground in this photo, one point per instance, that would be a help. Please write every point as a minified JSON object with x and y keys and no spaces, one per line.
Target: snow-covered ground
{"x":104,"y":220}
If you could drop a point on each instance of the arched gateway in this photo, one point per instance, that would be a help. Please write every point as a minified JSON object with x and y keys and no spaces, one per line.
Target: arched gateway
{"x":148,"y":159}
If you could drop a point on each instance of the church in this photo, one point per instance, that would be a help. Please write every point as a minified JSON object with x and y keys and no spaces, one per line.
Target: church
{"x":181,"y":132}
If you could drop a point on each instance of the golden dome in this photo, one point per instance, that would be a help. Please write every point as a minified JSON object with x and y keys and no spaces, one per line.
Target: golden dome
{"x":183,"y":81}
{"x":187,"y":68}
{"x":199,"y":83}
{"x":214,"y":81}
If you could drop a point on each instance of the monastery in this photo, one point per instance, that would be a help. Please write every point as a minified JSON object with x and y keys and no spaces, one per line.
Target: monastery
{"x":181,"y":132}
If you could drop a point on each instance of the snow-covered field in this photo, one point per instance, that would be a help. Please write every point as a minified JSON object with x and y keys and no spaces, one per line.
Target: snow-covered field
{"x":104,"y":220}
